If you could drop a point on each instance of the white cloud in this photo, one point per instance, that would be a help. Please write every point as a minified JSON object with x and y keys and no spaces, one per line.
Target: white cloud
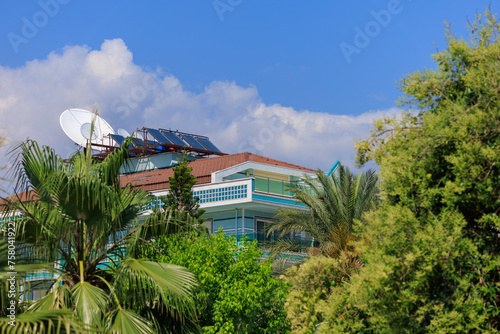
{"x":33,"y":96}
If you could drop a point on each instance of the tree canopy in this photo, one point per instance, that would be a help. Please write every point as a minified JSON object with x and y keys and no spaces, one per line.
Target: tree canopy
{"x":237,"y":293}
{"x":180,"y":196}
{"x":432,"y":260}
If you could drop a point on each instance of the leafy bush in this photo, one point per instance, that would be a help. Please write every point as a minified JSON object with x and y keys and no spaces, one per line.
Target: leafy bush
{"x":312,"y":285}
{"x":237,"y":293}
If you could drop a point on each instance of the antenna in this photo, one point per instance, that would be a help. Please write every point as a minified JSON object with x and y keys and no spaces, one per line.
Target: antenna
{"x":76,"y":124}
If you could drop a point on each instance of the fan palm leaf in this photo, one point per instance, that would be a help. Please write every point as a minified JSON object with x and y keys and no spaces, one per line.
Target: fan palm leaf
{"x":90,"y":302}
{"x":124,"y":321}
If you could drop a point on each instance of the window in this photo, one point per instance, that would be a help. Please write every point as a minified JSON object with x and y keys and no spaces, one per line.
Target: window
{"x":262,"y":227}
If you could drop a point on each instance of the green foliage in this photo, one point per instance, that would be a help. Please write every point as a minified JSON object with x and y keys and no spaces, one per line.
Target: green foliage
{"x":432,"y":263}
{"x":79,"y":216}
{"x":313,"y":283}
{"x":22,"y":269}
{"x":443,"y":152}
{"x":237,"y":294}
{"x":180,"y":195}
{"x":419,"y":277}
{"x":336,"y":204}
{"x":48,"y":322}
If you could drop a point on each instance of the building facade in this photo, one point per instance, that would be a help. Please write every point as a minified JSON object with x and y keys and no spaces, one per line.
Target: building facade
{"x":240,"y":193}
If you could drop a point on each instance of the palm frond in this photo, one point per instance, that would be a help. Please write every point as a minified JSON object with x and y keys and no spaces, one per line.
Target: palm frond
{"x":49,"y":322}
{"x":335,"y":203}
{"x":78,"y":215}
{"x":23,"y":269}
{"x":109,"y":169}
{"x":169,"y":285}
{"x":58,"y":299}
{"x":120,"y":321}
{"x":90,"y":302}
{"x":282,"y":246}
{"x":33,"y":167}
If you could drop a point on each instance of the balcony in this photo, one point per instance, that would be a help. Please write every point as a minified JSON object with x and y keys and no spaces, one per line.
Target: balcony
{"x":272,"y":186}
{"x":239,"y":191}
{"x":228,"y":192}
{"x":214,"y":194}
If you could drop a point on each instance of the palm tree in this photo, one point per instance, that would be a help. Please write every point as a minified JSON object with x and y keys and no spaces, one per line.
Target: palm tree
{"x":79,"y":217}
{"x":336,"y":202}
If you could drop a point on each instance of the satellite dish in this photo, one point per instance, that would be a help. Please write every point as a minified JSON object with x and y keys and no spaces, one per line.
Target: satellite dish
{"x":76,"y":123}
{"x":122,"y":132}
{"x":137,"y":134}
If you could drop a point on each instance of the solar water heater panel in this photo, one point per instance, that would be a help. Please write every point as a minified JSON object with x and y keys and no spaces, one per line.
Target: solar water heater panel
{"x":119,"y":139}
{"x":138,"y":142}
{"x":208,"y":144}
{"x":174,"y":138}
{"x":159,"y":136}
{"x":193,"y":142}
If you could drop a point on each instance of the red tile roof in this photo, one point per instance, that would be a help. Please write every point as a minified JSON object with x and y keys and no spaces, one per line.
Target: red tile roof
{"x":23,"y":197}
{"x":203,"y":168}
{"x":157,"y":179}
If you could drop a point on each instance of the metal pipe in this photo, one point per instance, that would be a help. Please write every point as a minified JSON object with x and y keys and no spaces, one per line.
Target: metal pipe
{"x":236,"y":222}
{"x":243,"y":221}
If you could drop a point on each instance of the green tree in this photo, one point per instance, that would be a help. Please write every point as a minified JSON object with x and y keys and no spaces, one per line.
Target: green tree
{"x":180,"y":196}
{"x":433,"y":262}
{"x":336,"y":203}
{"x":79,"y":217}
{"x":237,"y":293}
{"x":313,"y":282}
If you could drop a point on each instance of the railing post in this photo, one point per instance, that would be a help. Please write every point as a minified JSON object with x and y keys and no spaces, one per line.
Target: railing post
{"x":236,"y":223}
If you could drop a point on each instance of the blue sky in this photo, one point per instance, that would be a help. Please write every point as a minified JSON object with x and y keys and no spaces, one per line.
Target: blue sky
{"x":224,"y":68}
